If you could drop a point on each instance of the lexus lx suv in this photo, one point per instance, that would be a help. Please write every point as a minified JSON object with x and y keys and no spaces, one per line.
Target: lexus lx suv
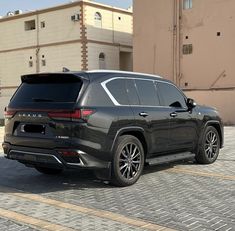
{"x":109,"y":121}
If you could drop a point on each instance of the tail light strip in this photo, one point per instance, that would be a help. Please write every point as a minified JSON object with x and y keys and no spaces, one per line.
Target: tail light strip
{"x":68,"y":115}
{"x":77,"y":114}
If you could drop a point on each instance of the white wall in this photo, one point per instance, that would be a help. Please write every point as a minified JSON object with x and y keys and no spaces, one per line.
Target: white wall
{"x":57,"y":57}
{"x":111,"y":56}
{"x":59,"y":27}
{"x":113,"y":30}
{"x":13,"y":34}
{"x":14,"y":64}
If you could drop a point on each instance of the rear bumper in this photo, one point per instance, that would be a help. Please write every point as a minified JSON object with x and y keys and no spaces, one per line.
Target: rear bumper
{"x":51,"y":158}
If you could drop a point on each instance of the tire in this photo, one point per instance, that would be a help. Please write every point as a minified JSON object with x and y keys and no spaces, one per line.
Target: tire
{"x":128,"y":161}
{"x":210,"y":146}
{"x":49,"y":171}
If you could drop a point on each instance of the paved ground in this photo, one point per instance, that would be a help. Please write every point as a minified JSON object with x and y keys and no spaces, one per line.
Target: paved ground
{"x":183,"y":196}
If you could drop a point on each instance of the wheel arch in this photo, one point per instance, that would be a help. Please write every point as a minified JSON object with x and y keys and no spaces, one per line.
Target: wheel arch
{"x":137,"y":132}
{"x":217,"y":125}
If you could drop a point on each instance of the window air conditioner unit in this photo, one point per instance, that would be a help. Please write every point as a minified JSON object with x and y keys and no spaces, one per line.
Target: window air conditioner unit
{"x":18,"y":12}
{"x":75,"y":17}
{"x":10,"y":13}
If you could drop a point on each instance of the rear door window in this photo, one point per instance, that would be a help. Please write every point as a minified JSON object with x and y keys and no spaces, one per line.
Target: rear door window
{"x":147,"y":93}
{"x":117,"y":88}
{"x":132,"y":92}
{"x":171,"y":96}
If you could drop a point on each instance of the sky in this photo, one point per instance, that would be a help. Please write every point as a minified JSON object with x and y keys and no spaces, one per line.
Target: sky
{"x":27,"y":5}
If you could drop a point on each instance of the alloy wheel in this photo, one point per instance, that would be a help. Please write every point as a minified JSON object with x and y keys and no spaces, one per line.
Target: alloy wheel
{"x":211,"y":144}
{"x":130,"y":161}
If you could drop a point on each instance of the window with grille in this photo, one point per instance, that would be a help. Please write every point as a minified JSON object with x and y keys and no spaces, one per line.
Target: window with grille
{"x":30,"y":25}
{"x":98,"y":19}
{"x":187,"y":49}
{"x":43,"y":24}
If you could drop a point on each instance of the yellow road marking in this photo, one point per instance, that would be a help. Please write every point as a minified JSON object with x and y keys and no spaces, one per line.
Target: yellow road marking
{"x":89,"y":211}
{"x":196,"y":173}
{"x":37,"y":223}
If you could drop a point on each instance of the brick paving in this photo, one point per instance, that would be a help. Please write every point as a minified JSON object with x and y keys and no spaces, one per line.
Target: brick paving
{"x":6,"y":225}
{"x":65,"y":217}
{"x":175,"y":199}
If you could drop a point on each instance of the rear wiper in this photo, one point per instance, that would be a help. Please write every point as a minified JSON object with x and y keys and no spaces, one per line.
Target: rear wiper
{"x":42,"y":100}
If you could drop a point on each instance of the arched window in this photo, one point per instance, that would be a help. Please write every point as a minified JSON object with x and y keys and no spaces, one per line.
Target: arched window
{"x":102,"y":64}
{"x":98,"y":19}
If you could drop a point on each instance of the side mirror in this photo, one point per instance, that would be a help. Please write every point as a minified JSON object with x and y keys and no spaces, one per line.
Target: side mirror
{"x":191,"y":103}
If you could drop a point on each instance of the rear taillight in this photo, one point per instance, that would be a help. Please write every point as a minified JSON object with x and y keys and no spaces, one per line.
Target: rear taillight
{"x":65,"y":115}
{"x":73,"y":115}
{"x":8,"y":114}
{"x":68,"y":153}
{"x":85,"y":113}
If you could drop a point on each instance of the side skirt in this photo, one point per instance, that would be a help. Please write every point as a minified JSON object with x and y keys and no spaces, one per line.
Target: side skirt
{"x":170,"y":158}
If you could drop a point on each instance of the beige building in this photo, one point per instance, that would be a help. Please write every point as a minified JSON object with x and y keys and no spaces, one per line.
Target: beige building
{"x":80,"y":35}
{"x":190,"y":42}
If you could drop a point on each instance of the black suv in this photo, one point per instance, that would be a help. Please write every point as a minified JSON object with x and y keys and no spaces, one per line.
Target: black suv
{"x":109,"y":121}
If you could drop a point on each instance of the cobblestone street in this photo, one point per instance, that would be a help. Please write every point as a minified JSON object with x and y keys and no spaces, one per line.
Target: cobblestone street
{"x":180,"y":196}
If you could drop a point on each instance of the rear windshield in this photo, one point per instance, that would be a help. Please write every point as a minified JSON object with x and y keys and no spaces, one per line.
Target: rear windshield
{"x":48,"y":90}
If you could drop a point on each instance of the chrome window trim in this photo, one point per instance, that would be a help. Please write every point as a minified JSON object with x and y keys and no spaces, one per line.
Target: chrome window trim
{"x":115,"y":102}
{"x":103,"y":84}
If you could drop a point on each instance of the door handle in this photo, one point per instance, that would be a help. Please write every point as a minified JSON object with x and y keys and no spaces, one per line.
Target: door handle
{"x":143,"y":114}
{"x":173,"y":114}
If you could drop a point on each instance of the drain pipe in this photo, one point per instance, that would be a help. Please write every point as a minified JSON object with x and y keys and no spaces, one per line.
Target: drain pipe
{"x":174,"y":41}
{"x":38,"y":48}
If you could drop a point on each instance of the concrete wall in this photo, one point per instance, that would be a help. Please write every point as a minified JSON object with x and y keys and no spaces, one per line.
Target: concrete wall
{"x":214,"y":99}
{"x":57,"y":57}
{"x":212,"y":55}
{"x":111,"y":56}
{"x":153,"y":37}
{"x":117,"y":27}
{"x":162,"y":27}
{"x":59,"y":27}
{"x":14,"y":64}
{"x":13,"y":34}
{"x":125,"y":61}
{"x":114,"y":34}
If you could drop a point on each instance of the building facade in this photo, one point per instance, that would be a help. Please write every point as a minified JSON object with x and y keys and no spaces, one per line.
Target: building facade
{"x":191,"y":43}
{"x":80,"y":35}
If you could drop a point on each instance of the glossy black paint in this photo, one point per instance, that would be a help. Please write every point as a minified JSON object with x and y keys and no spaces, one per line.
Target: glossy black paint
{"x":161,"y":129}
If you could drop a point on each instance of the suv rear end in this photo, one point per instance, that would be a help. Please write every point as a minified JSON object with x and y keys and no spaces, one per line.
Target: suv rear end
{"x":47,"y":128}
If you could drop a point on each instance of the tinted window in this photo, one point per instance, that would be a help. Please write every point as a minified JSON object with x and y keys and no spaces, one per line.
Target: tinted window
{"x":117,"y":88}
{"x":170,"y":95}
{"x":147,"y":93}
{"x":132,"y":92}
{"x":47,"y":92}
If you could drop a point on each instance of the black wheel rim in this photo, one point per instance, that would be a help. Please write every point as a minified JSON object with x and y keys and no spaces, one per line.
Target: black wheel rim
{"x":211,"y":144}
{"x":130,"y":161}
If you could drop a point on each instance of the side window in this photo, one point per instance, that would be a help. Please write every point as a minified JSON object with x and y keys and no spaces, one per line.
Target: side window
{"x":187,"y":4}
{"x":132,"y":92}
{"x":98,"y":20}
{"x":171,"y":96}
{"x":147,"y":93}
{"x":102,"y":63}
{"x":118,"y":90}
